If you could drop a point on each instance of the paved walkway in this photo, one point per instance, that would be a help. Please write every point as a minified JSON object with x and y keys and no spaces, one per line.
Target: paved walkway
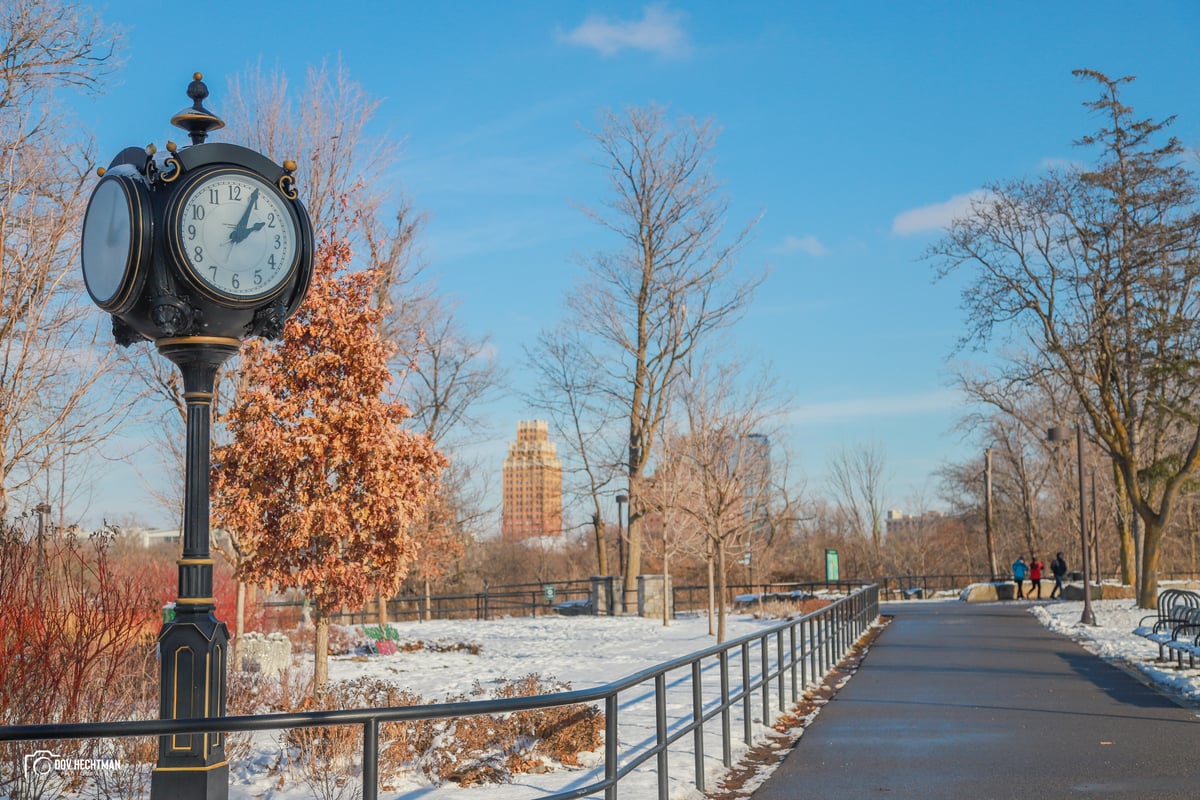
{"x":958,"y":700}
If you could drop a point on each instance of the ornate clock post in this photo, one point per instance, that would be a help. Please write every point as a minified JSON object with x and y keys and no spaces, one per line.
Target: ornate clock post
{"x":196,"y":251}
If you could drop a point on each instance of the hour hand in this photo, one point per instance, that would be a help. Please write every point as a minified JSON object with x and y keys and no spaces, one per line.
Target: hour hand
{"x":242,"y":230}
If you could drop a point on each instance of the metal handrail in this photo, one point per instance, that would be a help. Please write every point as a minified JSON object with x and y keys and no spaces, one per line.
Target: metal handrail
{"x":816,"y":641}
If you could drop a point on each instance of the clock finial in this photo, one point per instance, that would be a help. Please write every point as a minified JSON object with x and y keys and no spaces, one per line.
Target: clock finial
{"x":197,"y":120}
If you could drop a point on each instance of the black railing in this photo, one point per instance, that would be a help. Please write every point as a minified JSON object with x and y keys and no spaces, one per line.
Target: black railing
{"x":906,"y":587}
{"x":791,"y":656}
{"x":695,"y":598}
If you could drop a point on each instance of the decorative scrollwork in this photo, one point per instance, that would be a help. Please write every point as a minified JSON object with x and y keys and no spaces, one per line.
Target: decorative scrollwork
{"x":287,"y":185}
{"x":173,"y":169}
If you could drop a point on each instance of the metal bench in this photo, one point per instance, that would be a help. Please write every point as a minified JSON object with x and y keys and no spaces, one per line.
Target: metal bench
{"x":1185,"y":638}
{"x":1175,"y":616}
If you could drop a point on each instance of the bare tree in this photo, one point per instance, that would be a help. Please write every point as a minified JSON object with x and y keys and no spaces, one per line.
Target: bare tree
{"x":858,"y":479}
{"x":717,"y":463}
{"x":571,"y":393}
{"x":668,"y":285}
{"x":1096,"y":269}
{"x":51,"y":359}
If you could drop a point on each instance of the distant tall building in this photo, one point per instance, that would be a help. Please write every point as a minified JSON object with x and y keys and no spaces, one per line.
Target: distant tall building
{"x":532,"y":485}
{"x":754,"y":454}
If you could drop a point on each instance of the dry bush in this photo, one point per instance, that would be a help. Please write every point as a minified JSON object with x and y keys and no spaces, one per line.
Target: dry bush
{"x":343,"y":640}
{"x":485,"y":749}
{"x":786,"y":609}
{"x":328,"y":759}
{"x":467,"y":751}
{"x":77,"y":643}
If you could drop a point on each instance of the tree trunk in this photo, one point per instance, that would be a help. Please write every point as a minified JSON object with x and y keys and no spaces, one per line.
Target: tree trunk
{"x":1148,"y":586}
{"x":1124,"y":528}
{"x":381,"y":614}
{"x":712,"y":607}
{"x":601,"y":545}
{"x":320,"y":651}
{"x":427,"y":614}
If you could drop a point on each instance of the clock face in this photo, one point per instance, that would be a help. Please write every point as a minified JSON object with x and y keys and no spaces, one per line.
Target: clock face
{"x":115,"y":241}
{"x":235,"y":234}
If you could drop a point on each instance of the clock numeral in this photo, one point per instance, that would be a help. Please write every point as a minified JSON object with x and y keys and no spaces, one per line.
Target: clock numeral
{"x":235,"y":191}
{"x":197,"y":212}
{"x":234,"y":282}
{"x":271,"y":259}
{"x":213,"y":269}
{"x":258,"y":278}
{"x":214,"y":196}
{"x":270,"y":220}
{"x":198,"y":254}
{"x":191,"y":229}
{"x":278,"y":241}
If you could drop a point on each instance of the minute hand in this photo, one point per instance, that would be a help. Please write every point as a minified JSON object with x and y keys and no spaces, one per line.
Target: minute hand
{"x":241,"y":230}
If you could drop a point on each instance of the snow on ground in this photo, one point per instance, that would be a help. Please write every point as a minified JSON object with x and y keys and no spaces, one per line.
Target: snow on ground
{"x":591,"y":651}
{"x":583,"y":651}
{"x":1112,"y":639}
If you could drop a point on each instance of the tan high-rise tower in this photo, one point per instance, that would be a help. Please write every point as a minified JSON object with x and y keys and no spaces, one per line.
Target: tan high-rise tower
{"x":532,"y":484}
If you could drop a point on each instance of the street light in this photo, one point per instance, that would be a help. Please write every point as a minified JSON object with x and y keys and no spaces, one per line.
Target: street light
{"x":622,"y":499}
{"x":1059,"y":434}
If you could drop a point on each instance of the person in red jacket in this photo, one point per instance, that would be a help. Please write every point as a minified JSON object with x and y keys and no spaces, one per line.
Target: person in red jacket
{"x":1035,"y":575}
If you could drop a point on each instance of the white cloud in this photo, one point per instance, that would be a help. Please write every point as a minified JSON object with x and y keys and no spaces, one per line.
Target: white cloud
{"x":873,"y":407}
{"x":809,"y":245}
{"x":935,"y":217}
{"x":659,"y":31}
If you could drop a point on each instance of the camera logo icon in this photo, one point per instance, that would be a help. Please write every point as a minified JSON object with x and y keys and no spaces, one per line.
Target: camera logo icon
{"x":40,"y":762}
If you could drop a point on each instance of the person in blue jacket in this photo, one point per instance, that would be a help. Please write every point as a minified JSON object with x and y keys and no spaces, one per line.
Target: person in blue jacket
{"x":1019,"y":570}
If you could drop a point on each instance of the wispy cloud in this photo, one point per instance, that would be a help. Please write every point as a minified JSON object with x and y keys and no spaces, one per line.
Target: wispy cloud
{"x":876,"y":407}
{"x":935,"y":217}
{"x":660,"y":30}
{"x":1052,"y":162}
{"x":809,"y":245}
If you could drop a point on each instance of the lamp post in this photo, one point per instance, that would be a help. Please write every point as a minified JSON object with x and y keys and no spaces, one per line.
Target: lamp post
{"x":622,"y":499}
{"x":987,"y":512}
{"x":1059,"y":434}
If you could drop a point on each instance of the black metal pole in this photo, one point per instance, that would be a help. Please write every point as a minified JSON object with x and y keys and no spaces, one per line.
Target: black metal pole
{"x":192,"y":647}
{"x":42,"y":510}
{"x":1088,"y":617}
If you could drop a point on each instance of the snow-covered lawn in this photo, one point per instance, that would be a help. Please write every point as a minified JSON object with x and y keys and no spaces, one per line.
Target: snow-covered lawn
{"x":585,"y":652}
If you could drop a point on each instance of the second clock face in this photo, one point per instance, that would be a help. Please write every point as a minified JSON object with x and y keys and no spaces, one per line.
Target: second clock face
{"x":236,"y":235}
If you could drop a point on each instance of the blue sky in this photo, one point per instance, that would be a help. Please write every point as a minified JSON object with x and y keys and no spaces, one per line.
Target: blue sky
{"x":856,"y":129}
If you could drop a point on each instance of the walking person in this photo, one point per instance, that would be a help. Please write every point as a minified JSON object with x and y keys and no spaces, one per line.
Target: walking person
{"x":1019,"y":570}
{"x":1035,"y":575}
{"x":1059,"y":568}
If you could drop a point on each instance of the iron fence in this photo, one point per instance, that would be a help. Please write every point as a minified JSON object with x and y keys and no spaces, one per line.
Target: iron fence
{"x":776,"y":664}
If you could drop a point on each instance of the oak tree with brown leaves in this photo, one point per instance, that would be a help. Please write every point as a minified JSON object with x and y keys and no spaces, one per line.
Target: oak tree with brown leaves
{"x":321,"y":479}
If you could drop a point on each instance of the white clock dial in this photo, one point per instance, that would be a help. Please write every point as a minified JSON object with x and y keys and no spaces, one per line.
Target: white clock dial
{"x":237,"y":235}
